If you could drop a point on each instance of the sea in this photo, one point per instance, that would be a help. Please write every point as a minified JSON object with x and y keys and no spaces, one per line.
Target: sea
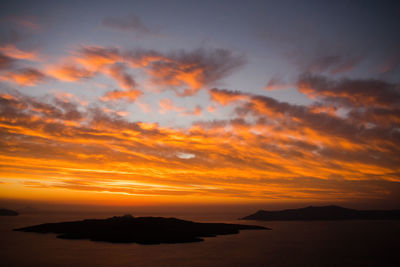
{"x":289,"y":243}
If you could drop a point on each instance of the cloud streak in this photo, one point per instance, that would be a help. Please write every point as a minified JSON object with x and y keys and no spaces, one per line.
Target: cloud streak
{"x":130,"y":23}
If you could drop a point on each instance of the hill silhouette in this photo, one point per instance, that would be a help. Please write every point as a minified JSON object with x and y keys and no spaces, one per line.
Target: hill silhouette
{"x":323,"y":213}
{"x":7,"y":212}
{"x":142,"y":230}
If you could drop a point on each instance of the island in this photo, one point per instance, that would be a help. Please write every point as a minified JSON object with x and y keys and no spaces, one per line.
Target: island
{"x":323,"y":213}
{"x":141,"y":230}
{"x":7,"y":212}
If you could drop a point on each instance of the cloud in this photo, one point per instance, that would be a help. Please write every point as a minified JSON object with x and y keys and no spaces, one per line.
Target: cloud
{"x":329,"y":63}
{"x":119,"y":113}
{"x":211,"y":109}
{"x":391,"y":64}
{"x":27,"y":22}
{"x":318,"y":107}
{"x":144,"y":106}
{"x":195,"y":112}
{"x":278,"y":84}
{"x":5,"y":61}
{"x":317,"y":125}
{"x":94,"y":58}
{"x":274,"y":150}
{"x":188,"y":72}
{"x":225,"y":97}
{"x":167,"y":105}
{"x":264,"y":146}
{"x":69,"y":73}
{"x":24,"y":77}
{"x":68,"y":97}
{"x":25,"y":107}
{"x":118,"y":72}
{"x":371,"y":117}
{"x":129,"y":95}
{"x":130,"y":23}
{"x":184,"y":72}
{"x":12,"y":51}
{"x":353,"y":92}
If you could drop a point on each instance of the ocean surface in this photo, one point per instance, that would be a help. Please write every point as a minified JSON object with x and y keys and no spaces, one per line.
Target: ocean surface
{"x":299,"y":243}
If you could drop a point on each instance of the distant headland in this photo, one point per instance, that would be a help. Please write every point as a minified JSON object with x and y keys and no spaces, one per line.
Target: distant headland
{"x":7,"y":212}
{"x":323,"y":213}
{"x":141,"y":230}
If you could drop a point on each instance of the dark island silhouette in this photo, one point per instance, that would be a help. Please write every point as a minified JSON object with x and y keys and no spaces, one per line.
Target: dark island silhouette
{"x":7,"y":212}
{"x":141,"y":230}
{"x":323,"y":213}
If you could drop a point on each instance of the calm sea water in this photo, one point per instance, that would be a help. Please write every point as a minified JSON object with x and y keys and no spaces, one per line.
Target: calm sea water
{"x":321,"y":243}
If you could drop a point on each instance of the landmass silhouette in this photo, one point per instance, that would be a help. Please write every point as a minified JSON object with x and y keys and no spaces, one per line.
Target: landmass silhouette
{"x":7,"y":212}
{"x":323,"y":213}
{"x":141,"y":230}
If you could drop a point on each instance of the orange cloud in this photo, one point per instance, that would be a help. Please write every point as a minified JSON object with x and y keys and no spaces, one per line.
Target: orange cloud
{"x":124,"y":79}
{"x":68,"y":73}
{"x":321,"y":108}
{"x":167,"y":105}
{"x":144,"y":106}
{"x":197,"y":111}
{"x":188,"y":72}
{"x":183,"y":72}
{"x":24,"y":77}
{"x":91,"y":60}
{"x":225,"y":97}
{"x":68,"y":98}
{"x":94,"y":58}
{"x":13,"y":52}
{"x":211,"y":109}
{"x":119,"y":113}
{"x":129,"y":96}
{"x":178,"y":76}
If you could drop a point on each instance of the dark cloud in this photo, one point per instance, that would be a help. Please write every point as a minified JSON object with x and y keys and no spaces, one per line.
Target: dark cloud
{"x":5,"y":61}
{"x":22,"y":106}
{"x":130,"y":23}
{"x":10,"y":35}
{"x":325,"y":61}
{"x":350,"y":92}
{"x":376,"y":116}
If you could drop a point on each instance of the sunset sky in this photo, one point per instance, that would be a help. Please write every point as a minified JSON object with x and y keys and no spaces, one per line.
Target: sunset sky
{"x":200,"y":102}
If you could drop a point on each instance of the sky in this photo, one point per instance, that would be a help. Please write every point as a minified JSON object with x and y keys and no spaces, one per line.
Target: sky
{"x":128,"y":103}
